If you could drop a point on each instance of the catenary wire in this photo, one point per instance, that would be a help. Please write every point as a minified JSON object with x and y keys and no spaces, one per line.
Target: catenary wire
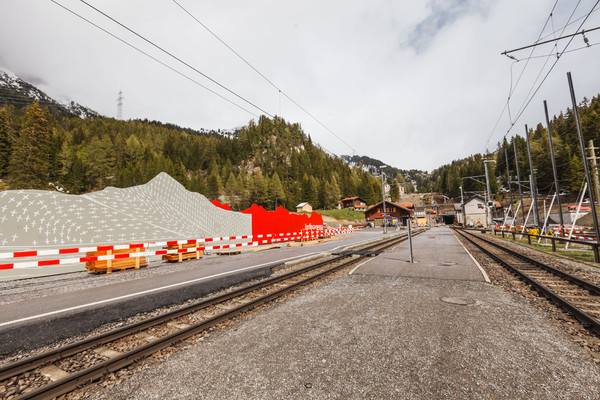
{"x":264,"y":77}
{"x":176,"y":58}
{"x":526,"y":104}
{"x":513,"y":88}
{"x":152,"y":57}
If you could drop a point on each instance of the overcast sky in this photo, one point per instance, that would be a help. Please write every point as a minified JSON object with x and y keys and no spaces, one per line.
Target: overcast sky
{"x":415,"y":84}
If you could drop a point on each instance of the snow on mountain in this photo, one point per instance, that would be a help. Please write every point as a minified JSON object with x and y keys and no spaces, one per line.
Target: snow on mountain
{"x":20,"y":93}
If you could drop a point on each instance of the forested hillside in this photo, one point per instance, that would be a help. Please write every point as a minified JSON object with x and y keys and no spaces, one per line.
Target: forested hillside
{"x":447,"y":179}
{"x":269,"y":161}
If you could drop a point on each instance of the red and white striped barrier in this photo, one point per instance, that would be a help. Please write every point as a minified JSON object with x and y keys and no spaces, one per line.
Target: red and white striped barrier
{"x":268,"y":239}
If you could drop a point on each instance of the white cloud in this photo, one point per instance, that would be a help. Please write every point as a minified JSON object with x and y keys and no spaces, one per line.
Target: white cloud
{"x":415,"y":84}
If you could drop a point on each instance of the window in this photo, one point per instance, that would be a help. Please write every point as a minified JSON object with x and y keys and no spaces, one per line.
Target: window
{"x":479,"y":205}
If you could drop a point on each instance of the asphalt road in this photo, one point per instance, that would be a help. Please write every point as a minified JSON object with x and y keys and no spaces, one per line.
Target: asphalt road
{"x":29,"y":319}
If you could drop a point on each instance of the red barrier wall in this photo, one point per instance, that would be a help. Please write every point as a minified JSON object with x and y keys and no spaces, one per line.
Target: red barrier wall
{"x":278,"y":221}
{"x":224,"y":206}
{"x":281,"y":221}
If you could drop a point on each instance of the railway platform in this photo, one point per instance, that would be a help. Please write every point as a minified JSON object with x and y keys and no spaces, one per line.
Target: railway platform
{"x":437,"y":254}
{"x":432,"y":329}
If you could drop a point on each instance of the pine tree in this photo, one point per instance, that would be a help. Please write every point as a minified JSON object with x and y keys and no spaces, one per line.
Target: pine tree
{"x":30,"y":162}
{"x":7,"y":137}
{"x":260,"y":192}
{"x":276,"y":191}
{"x":231,"y":188}
{"x":214,"y":186}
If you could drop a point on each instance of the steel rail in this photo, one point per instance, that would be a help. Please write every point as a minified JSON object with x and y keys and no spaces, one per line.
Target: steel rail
{"x":556,"y":298}
{"x":565,"y":275}
{"x":30,"y":363}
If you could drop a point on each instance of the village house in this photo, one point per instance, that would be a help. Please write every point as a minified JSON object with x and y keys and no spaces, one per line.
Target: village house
{"x":353,"y":203}
{"x":475,"y":212}
{"x":395,"y":214}
{"x":304,"y":207}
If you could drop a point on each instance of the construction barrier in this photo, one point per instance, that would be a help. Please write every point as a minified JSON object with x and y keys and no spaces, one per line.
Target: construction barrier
{"x":113,"y":254}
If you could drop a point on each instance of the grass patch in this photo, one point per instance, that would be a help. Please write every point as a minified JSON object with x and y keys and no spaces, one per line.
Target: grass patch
{"x":344,"y":213}
{"x":575,"y":252}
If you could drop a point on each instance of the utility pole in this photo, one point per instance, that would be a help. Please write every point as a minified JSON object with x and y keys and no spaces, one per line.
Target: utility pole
{"x":120,"y":105}
{"x":489,"y":193}
{"x":556,"y":185}
{"x":383,"y":198}
{"x":536,"y":214}
{"x":585,"y":166}
{"x":592,"y":150}
{"x":508,"y":179}
{"x":462,"y":204}
{"x":519,"y":180}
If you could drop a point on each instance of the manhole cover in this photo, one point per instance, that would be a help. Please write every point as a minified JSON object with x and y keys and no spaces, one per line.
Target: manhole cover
{"x":448,"y":263}
{"x":461,"y":301}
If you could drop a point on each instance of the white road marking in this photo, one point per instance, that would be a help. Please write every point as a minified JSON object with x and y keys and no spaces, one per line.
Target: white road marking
{"x":127,"y":296}
{"x":485,"y":276}
{"x":360,"y":265}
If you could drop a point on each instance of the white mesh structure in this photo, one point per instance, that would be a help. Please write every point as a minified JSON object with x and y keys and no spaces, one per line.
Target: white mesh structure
{"x":161,"y":209}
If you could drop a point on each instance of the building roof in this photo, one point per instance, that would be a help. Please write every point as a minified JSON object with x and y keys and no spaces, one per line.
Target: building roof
{"x":406,"y":205}
{"x":349,"y":198}
{"x":302,"y":204}
{"x":388,"y":202}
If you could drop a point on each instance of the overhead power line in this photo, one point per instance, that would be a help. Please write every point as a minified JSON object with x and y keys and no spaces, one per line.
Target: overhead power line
{"x":263,"y":76}
{"x":513,"y":88}
{"x":558,"y":57}
{"x":530,"y":96}
{"x":550,"y":41}
{"x":176,"y":58}
{"x":152,"y":57}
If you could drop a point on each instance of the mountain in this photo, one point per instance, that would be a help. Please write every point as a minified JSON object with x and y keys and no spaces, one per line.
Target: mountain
{"x":19,"y":93}
{"x":47,"y":145}
{"x":419,"y":179}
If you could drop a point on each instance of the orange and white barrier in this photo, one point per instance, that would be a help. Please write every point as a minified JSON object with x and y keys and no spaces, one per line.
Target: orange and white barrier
{"x":264,"y":239}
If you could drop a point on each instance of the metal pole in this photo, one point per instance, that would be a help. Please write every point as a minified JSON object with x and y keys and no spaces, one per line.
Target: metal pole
{"x":556,"y":185}
{"x":462,"y":204}
{"x":489,"y":192}
{"x":410,"y":240}
{"x":486,"y":197}
{"x":383,"y":197}
{"x":592,"y":150}
{"x":585,"y":165}
{"x":536,"y":214}
{"x":519,"y":180}
{"x":508,"y":178}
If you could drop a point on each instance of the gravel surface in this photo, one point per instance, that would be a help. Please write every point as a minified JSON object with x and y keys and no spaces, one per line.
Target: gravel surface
{"x":374,"y":337}
{"x":163,"y":310}
{"x":499,"y":276}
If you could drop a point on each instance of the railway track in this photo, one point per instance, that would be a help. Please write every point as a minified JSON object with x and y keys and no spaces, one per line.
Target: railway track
{"x":577,"y":296}
{"x":82,"y":362}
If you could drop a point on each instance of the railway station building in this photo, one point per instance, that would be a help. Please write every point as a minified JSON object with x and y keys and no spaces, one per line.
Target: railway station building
{"x":395,"y":214}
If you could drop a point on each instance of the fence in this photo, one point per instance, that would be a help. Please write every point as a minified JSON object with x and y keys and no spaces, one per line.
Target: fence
{"x":201,"y":243}
{"x":592,"y":242}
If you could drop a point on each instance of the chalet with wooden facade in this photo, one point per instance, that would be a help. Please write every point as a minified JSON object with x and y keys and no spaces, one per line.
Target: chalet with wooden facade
{"x":395,"y":214}
{"x":353,"y":203}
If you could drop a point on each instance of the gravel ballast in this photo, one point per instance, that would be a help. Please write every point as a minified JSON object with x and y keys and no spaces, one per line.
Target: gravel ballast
{"x":378,"y":337}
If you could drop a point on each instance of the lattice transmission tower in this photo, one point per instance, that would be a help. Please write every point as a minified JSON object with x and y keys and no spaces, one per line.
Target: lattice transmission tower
{"x":120,"y":105}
